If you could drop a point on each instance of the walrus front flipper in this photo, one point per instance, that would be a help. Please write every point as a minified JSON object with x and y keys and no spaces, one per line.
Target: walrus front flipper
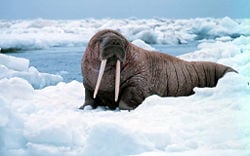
{"x":131,"y":97}
{"x":89,"y":101}
{"x":124,"y":106}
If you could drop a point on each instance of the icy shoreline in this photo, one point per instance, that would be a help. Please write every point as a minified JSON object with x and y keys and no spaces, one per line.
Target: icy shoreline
{"x":42,"y":33}
{"x":47,"y":121}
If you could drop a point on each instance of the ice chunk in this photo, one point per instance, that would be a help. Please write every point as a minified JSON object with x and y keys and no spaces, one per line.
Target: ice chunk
{"x":15,"y":63}
{"x":142,"y":44}
{"x":19,"y":67}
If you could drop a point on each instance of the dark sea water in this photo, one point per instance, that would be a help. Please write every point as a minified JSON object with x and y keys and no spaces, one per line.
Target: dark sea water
{"x":66,"y":61}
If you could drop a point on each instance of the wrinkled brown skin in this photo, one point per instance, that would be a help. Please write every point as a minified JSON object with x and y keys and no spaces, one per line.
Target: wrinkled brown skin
{"x":143,"y":73}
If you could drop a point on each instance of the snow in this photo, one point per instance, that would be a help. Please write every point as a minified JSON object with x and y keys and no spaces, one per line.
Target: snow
{"x":142,"y":44}
{"x":46,"y":120}
{"x":43,"y":33}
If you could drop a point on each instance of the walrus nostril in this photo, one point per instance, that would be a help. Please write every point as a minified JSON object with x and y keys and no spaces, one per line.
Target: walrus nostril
{"x":115,"y":43}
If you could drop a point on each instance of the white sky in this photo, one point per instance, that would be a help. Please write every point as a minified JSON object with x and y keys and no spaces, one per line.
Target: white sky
{"x":76,"y":9}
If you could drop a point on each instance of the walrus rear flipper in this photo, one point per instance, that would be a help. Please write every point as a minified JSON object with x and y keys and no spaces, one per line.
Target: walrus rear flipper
{"x":209,"y":73}
{"x":231,"y":70}
{"x":221,"y":70}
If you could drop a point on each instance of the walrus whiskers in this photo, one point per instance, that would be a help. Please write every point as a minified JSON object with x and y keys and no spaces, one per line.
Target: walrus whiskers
{"x":101,"y":71}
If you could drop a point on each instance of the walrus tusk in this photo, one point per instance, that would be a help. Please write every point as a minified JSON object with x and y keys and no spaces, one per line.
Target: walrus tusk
{"x":101,"y":71}
{"x":117,"y":79}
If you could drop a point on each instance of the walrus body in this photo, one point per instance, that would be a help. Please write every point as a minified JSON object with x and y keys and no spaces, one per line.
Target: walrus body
{"x":142,"y":73}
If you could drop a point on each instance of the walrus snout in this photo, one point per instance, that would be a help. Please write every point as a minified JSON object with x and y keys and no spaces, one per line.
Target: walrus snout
{"x":112,"y":48}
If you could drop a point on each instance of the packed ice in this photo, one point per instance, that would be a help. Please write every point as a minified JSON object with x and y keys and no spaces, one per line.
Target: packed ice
{"x":39,"y":112}
{"x":43,"y":33}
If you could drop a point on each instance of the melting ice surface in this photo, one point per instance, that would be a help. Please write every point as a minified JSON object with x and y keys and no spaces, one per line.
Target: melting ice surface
{"x":39,"y":113}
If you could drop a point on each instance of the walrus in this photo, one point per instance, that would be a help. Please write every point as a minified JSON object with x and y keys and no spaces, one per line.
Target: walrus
{"x":117,"y":73}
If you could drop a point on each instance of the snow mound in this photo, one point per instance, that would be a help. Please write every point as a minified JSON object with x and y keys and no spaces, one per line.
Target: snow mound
{"x":19,"y":67}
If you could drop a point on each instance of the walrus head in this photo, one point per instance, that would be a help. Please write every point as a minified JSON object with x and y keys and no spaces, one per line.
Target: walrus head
{"x":112,"y":51}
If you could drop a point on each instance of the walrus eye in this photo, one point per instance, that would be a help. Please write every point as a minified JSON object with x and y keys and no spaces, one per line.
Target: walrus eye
{"x":100,"y":40}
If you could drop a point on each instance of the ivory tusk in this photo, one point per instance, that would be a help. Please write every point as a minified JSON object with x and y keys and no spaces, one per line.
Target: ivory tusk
{"x":101,"y":71}
{"x":117,"y":79}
